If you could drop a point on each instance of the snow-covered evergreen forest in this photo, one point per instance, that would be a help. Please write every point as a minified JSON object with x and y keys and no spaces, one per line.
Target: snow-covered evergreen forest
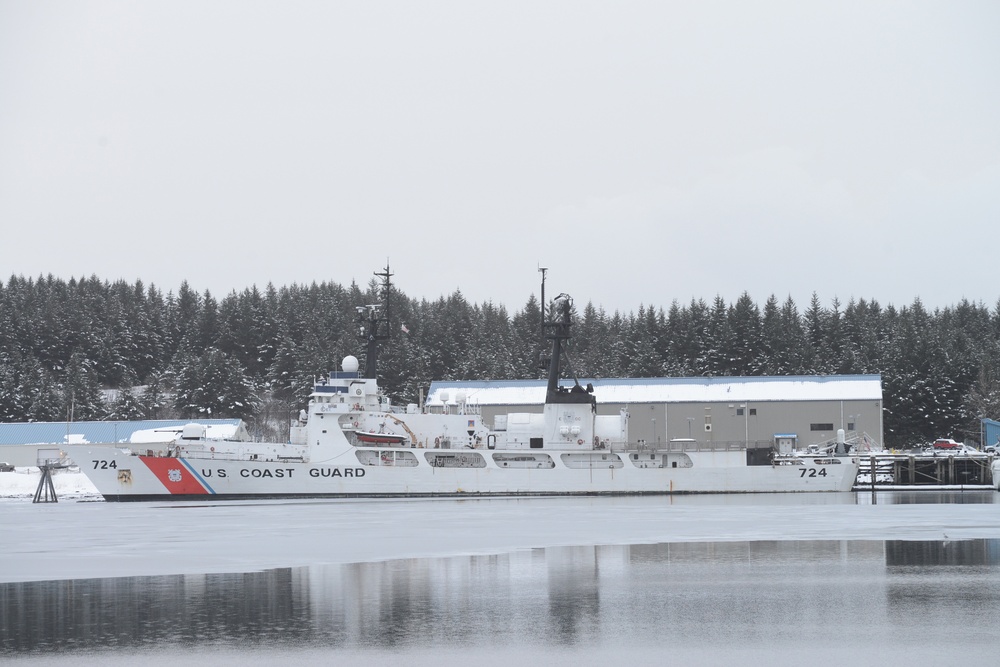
{"x":254,"y":354}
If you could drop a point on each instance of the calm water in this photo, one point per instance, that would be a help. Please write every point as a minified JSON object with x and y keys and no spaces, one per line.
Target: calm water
{"x":842,"y":600}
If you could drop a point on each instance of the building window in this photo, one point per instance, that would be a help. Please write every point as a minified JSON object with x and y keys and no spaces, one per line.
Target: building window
{"x":850,"y":426}
{"x":739,"y":412}
{"x":753,"y":412}
{"x":820,"y":427}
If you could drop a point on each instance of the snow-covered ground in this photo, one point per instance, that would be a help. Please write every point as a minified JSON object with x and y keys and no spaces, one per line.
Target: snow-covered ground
{"x":69,"y":484}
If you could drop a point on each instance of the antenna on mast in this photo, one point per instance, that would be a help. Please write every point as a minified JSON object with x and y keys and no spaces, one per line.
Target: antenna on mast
{"x":385,"y":275}
{"x":541,"y":307}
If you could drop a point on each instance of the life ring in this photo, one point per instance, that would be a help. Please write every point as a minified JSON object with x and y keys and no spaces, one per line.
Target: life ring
{"x":355,"y":424}
{"x":580,"y":441}
{"x":212,"y":448}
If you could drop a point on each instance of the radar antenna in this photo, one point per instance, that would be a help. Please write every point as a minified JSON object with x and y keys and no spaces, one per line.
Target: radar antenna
{"x":558,"y":331}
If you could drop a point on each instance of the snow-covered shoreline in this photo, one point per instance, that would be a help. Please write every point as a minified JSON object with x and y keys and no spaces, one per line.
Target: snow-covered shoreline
{"x":22,"y":483}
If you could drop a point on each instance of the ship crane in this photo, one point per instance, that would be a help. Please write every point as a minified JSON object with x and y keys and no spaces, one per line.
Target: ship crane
{"x":400,"y":422}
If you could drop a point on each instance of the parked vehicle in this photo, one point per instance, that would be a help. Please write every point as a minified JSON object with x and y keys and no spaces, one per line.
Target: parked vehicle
{"x":947,"y":443}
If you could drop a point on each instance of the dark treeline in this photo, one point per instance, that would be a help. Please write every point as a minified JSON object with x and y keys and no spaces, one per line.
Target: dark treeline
{"x":254,"y":354}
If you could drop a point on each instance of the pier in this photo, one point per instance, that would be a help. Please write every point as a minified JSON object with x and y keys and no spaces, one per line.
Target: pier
{"x":927,"y":470}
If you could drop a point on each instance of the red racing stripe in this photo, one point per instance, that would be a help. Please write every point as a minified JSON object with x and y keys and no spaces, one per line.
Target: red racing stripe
{"x":174,"y":475}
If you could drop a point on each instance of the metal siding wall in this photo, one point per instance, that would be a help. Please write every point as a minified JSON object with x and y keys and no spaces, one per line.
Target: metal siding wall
{"x":991,"y":432}
{"x":772,"y":417}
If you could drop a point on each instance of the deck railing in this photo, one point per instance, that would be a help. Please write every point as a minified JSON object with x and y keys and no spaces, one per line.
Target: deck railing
{"x":692,"y":446}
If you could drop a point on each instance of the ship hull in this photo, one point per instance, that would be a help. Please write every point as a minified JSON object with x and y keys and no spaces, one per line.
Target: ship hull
{"x":120,"y":475}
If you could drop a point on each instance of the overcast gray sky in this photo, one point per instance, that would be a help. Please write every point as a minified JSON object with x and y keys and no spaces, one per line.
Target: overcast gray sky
{"x":643,"y":151}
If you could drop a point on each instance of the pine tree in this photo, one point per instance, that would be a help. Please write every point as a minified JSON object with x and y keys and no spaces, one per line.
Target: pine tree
{"x":46,"y":399}
{"x":152,"y":401}
{"x":746,"y":352}
{"x":591,"y":343}
{"x":800,"y":357}
{"x":718,"y":340}
{"x":772,"y":339}
{"x":126,"y":406}
{"x":815,"y":321}
{"x":213,"y":386}
{"x":643,"y":336}
{"x":529,"y":346}
{"x":81,"y":395}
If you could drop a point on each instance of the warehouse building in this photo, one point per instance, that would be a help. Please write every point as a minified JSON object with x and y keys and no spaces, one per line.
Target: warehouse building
{"x":785,"y":412}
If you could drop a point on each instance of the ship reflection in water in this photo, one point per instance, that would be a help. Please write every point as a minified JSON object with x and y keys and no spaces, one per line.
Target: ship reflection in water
{"x":842,"y":599}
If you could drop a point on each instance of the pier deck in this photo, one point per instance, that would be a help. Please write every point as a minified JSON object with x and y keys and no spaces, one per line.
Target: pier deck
{"x":928,"y":470}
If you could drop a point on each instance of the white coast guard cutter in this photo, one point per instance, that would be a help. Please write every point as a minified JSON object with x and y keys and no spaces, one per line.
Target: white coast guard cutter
{"x":355,"y":443}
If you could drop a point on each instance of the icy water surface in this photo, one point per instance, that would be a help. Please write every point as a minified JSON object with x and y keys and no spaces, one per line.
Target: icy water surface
{"x":816,"y":579}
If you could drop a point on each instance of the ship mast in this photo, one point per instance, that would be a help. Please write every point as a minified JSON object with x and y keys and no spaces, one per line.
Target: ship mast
{"x":374,"y":320}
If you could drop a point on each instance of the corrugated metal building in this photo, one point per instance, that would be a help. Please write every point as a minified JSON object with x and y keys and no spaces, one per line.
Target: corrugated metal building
{"x":807,"y":409}
{"x":991,"y":433}
{"x":20,"y":442}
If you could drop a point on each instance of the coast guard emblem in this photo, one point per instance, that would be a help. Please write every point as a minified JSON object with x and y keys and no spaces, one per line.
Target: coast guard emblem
{"x":174,"y":475}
